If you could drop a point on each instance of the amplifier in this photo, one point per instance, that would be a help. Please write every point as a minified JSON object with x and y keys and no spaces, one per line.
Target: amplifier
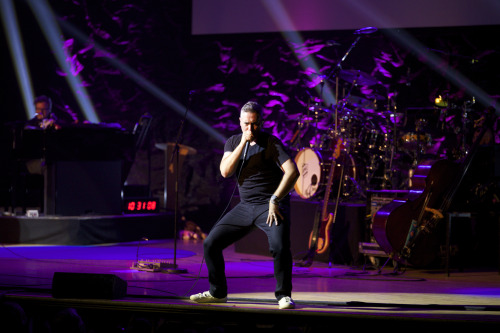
{"x":375,"y":199}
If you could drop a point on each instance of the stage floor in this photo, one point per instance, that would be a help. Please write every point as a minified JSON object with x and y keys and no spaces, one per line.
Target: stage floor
{"x":362,"y":297}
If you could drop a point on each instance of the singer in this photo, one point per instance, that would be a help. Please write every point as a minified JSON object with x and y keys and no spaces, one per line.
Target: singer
{"x":265,"y":175}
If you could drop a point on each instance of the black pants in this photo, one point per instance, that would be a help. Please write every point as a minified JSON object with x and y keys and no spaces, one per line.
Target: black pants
{"x":240,"y":221}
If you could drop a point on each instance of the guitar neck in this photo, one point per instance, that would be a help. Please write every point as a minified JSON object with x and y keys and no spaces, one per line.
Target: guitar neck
{"x":336,"y":154}
{"x":324,"y":211}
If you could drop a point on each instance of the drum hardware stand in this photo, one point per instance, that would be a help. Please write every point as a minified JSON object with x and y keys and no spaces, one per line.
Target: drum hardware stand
{"x":388,"y":171}
{"x":345,"y":178}
{"x":357,"y":188}
{"x":349,"y":191}
{"x":392,"y":141}
{"x":359,"y":32}
{"x":463,"y":147}
{"x":372,"y":168}
{"x":335,"y":71}
{"x":296,"y":139}
{"x":314,"y":118}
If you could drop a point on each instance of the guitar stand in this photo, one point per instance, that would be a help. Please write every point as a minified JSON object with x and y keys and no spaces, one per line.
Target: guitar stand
{"x":333,"y":249}
{"x":307,"y":260}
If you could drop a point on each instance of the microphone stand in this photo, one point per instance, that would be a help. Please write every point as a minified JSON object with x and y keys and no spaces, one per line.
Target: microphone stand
{"x":359,"y":32}
{"x":335,"y":72}
{"x":175,"y":154}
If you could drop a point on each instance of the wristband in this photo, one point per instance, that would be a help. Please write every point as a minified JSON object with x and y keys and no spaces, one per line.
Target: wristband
{"x":274,"y":200}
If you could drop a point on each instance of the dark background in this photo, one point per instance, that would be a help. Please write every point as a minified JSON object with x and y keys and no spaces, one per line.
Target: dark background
{"x":222,"y":72}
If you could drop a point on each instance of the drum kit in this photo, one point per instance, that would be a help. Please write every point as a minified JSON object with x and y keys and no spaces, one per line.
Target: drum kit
{"x":319,"y":129}
{"x":381,"y":145}
{"x":375,"y":142}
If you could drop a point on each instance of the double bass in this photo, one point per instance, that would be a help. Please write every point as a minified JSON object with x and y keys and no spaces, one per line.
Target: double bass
{"x":410,"y":230}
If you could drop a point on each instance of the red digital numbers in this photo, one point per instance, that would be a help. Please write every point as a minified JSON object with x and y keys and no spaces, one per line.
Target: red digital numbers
{"x":142,"y":205}
{"x":151,"y":205}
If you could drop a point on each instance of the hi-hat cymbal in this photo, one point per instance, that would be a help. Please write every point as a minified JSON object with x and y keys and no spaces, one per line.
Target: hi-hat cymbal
{"x":360,"y":102}
{"x":357,"y":77}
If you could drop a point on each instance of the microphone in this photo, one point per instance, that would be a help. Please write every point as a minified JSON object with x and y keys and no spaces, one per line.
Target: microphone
{"x":245,"y":151}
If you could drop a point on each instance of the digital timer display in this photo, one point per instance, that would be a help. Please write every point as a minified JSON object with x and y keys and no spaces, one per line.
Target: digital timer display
{"x":141,"y":205}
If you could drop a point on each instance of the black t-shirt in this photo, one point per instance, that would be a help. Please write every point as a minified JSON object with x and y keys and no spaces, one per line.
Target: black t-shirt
{"x":261,"y":173}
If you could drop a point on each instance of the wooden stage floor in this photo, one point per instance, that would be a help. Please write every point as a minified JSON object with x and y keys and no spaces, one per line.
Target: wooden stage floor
{"x":326,"y":296}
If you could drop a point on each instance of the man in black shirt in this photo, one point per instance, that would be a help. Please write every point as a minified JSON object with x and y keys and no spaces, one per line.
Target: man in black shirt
{"x":265,"y":174}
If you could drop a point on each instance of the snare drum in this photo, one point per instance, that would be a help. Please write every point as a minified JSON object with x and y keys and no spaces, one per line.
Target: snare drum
{"x":309,"y":163}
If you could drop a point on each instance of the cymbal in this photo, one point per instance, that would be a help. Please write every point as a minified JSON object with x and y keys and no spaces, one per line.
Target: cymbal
{"x":393,"y":117}
{"x":375,"y":97}
{"x":319,"y":109}
{"x":317,"y":78}
{"x":308,"y":119}
{"x":360,"y":102}
{"x":357,"y":77}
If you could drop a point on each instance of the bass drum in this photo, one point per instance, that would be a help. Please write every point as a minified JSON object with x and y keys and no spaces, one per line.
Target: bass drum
{"x":310,"y":165}
{"x":314,"y":167}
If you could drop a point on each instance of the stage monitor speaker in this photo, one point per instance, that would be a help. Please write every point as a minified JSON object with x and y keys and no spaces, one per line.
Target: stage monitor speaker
{"x":88,"y":285}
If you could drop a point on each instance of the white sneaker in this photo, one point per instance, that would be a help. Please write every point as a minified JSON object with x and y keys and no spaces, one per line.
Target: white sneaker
{"x":286,"y":302}
{"x":205,"y":297}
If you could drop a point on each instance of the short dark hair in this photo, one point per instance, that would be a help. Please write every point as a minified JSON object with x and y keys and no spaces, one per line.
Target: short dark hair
{"x":45,"y":99}
{"x":253,"y":107}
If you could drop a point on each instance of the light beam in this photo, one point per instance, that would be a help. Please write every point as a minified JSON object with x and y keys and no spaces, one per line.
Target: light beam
{"x":13,"y":34}
{"x":47,"y":22}
{"x":145,"y":83}
{"x":287,"y":28}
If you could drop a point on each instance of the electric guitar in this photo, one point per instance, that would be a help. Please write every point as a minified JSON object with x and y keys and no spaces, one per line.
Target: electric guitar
{"x":319,"y":239}
{"x":320,"y":236}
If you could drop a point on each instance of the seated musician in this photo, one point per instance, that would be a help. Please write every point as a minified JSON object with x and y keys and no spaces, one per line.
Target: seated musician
{"x":44,"y":118}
